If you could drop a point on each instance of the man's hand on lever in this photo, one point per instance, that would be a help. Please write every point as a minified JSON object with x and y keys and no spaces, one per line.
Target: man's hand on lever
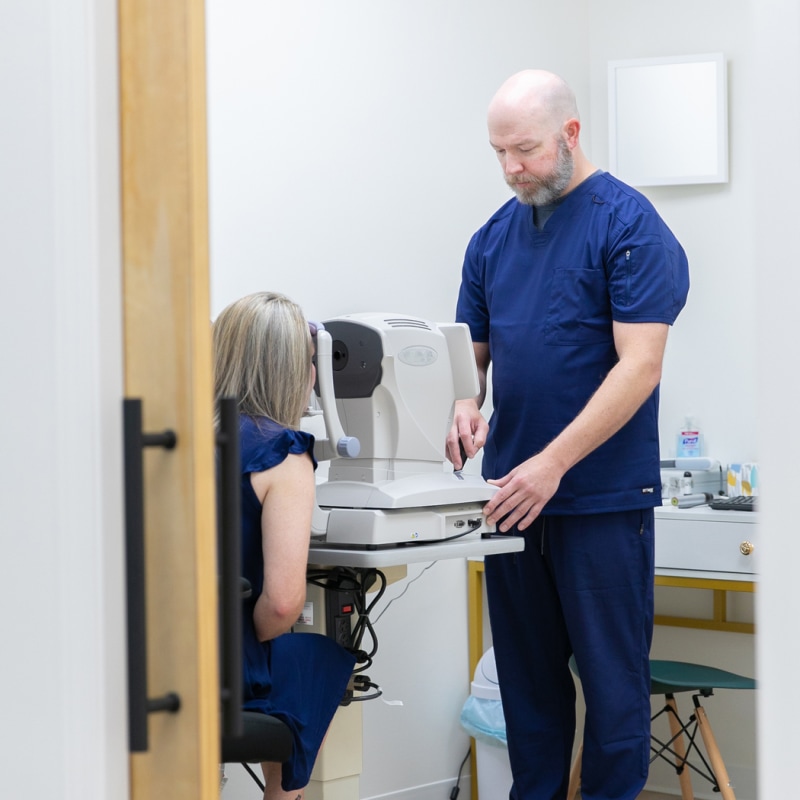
{"x":467,"y":435}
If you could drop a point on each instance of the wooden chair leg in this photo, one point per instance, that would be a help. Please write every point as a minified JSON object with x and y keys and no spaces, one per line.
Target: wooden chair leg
{"x":714,"y":756}
{"x":575,"y":775}
{"x":678,"y":745}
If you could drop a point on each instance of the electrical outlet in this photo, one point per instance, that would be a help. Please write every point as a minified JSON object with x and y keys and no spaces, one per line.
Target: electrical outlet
{"x":343,"y":633}
{"x":340,"y":607}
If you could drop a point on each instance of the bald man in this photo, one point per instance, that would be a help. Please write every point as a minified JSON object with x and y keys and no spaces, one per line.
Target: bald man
{"x":569,"y":290}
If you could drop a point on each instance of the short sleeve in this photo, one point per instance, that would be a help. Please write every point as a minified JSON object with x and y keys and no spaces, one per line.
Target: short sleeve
{"x":265,"y":444}
{"x":471,"y":307}
{"x":648,"y":273}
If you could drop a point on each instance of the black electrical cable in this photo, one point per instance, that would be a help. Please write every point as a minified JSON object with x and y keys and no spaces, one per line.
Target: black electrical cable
{"x":362,"y":683}
{"x":475,"y":527}
{"x":455,"y":790}
{"x":359,"y":581}
{"x":364,"y":623}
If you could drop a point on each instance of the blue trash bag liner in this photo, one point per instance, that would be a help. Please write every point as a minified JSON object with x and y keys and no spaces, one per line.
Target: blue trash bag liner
{"x":484,"y":720}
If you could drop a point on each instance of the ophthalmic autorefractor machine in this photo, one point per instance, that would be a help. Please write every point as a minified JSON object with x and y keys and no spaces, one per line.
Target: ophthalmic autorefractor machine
{"x":387,"y":385}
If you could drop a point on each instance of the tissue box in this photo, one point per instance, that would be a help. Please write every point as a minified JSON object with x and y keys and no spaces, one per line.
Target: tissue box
{"x":742,"y":480}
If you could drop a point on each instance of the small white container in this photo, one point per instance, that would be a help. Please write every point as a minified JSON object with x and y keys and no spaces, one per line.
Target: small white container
{"x":494,"y":770}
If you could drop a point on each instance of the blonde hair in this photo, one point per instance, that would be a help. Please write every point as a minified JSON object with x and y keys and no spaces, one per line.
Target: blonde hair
{"x":262,"y":357}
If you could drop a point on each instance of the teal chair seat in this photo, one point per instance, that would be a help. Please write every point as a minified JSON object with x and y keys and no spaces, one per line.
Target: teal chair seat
{"x":669,"y":678}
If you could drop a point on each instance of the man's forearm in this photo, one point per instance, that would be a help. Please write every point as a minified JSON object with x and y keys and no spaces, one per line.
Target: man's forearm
{"x":616,"y":400}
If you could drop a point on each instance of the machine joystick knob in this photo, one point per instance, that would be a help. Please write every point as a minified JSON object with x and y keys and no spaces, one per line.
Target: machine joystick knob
{"x":348,"y":447}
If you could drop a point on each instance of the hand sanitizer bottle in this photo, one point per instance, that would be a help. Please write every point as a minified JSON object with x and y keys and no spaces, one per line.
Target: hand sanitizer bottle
{"x":690,"y":440}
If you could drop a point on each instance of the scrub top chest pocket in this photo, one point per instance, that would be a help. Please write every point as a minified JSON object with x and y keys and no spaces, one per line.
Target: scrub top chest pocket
{"x":579,"y":311}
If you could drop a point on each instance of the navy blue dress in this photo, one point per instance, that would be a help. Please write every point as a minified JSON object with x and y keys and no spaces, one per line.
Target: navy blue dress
{"x":298,"y":677}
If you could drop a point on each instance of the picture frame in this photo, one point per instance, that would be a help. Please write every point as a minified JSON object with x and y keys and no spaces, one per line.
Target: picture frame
{"x":668,"y":120}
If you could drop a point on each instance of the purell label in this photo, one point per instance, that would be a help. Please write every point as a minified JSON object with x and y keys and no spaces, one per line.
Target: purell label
{"x":689,"y":444}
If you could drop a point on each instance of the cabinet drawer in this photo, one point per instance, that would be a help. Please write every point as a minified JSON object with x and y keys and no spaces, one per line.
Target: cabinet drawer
{"x":708,"y":544}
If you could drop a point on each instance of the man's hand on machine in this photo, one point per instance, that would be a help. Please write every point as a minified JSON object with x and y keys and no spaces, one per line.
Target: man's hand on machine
{"x":523,"y":493}
{"x":467,"y":435}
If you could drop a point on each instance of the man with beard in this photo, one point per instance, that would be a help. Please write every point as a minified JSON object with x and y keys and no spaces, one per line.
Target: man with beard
{"x":569,"y":290}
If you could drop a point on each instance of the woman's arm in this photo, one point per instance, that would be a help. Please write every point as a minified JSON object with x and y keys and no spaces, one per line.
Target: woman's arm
{"x":286,"y":493}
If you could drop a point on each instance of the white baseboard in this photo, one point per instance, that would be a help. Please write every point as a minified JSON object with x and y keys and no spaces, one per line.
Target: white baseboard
{"x":743,"y":778}
{"x":744,"y":781}
{"x":430,"y":791}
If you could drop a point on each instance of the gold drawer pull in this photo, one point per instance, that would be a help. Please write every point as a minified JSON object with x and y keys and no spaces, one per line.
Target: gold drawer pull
{"x":745,"y":548}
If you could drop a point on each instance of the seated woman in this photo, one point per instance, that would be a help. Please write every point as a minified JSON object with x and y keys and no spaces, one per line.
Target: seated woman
{"x":262,"y":356}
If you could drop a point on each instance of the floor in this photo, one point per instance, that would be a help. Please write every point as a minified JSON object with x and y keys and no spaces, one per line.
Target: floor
{"x":652,"y":796}
{"x":655,"y":796}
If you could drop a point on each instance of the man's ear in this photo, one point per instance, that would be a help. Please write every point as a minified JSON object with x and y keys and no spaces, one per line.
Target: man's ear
{"x":572,"y":130}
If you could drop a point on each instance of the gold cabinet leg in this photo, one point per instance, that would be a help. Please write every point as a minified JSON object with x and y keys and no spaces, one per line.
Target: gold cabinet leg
{"x":475,"y":634}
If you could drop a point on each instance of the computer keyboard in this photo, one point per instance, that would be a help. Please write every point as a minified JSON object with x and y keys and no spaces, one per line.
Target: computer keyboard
{"x":739,"y":503}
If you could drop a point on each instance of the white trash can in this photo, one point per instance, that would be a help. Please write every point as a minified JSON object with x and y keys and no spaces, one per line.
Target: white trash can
{"x":482,"y":717}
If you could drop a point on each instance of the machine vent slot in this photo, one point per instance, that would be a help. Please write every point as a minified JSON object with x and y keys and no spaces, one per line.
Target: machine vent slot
{"x":407,"y":323}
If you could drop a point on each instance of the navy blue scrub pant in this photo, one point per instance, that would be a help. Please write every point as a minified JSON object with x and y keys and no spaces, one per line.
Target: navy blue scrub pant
{"x":583,"y":585}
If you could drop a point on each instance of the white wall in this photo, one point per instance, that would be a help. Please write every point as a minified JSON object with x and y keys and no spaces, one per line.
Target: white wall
{"x":349,"y":162}
{"x":64,"y":730}
{"x":715,"y":334}
{"x":349,"y":166}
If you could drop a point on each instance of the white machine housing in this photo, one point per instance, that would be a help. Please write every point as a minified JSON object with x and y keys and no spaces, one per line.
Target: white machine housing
{"x":395,"y":380}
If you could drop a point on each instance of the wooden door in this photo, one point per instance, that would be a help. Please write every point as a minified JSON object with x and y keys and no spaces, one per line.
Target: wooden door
{"x":168,"y":366}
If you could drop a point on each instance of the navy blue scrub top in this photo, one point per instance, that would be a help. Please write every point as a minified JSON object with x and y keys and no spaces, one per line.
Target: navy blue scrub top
{"x":545,"y":302}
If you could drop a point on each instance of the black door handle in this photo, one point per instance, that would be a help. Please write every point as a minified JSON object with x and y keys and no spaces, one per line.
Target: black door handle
{"x":139,"y":705}
{"x":230,"y":590}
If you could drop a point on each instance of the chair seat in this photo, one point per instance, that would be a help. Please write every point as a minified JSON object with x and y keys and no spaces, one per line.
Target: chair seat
{"x":265,"y":738}
{"x":669,"y":677}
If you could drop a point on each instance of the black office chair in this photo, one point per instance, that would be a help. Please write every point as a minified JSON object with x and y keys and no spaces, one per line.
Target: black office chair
{"x":260,"y":737}
{"x":263,"y":738}
{"x":669,"y":678}
{"x":248,"y":737}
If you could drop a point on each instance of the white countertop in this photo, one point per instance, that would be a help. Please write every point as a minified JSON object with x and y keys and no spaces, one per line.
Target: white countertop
{"x":706,"y":514}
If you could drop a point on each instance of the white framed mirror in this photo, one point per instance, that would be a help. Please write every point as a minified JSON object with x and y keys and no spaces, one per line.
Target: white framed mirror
{"x":668,"y":120}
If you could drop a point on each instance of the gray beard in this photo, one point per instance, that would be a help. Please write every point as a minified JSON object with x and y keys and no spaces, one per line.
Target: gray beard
{"x":546,"y":190}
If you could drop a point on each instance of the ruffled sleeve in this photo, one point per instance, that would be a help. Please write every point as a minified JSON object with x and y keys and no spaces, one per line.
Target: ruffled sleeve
{"x":265,"y":444}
